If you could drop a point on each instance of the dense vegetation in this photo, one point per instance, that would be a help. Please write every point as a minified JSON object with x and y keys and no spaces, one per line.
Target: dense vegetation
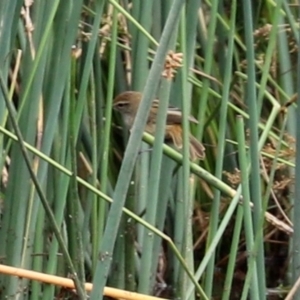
{"x":84,"y":198}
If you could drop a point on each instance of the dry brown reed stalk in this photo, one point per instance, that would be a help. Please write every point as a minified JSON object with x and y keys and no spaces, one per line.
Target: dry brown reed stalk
{"x":68,"y":283}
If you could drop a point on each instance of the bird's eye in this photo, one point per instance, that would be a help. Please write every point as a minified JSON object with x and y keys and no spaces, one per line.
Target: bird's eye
{"x":122,"y":104}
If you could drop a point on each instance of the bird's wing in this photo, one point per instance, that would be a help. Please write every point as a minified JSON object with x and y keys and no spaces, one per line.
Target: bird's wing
{"x":174,"y":114}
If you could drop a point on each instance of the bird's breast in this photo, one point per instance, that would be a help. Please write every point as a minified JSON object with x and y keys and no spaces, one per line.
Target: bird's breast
{"x":128,"y":120}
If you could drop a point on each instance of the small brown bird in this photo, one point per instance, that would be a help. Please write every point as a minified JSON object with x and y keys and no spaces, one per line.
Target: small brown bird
{"x":127,"y":104}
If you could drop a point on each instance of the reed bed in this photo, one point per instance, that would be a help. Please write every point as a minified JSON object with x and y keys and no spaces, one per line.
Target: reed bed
{"x":84,"y":198}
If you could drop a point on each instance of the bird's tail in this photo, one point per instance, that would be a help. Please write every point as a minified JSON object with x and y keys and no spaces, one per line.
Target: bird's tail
{"x":197,"y":150}
{"x":174,"y":133}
